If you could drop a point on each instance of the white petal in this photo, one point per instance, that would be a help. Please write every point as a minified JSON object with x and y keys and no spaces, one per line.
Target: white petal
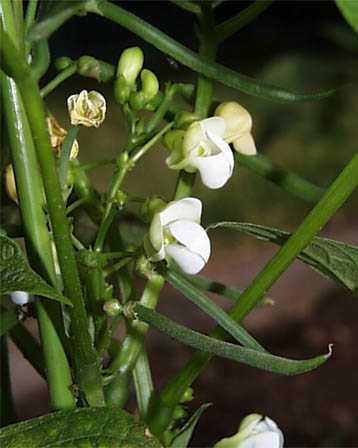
{"x":188,"y":262}
{"x":156,"y":233}
{"x":193,"y":137}
{"x":20,"y":297}
{"x":187,"y":208}
{"x":245,"y":145}
{"x":191,"y":235}
{"x":215,"y":125}
{"x":263,"y":440}
{"x":214,"y":171}
{"x":223,"y":147}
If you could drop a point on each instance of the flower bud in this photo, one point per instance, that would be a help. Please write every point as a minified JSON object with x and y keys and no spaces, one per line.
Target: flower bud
{"x":93,"y":68}
{"x":150,"y":88}
{"x":238,"y":123}
{"x":10,"y":183}
{"x":63,"y":62}
{"x":130,"y":64}
{"x":87,"y":108}
{"x":254,"y":431}
{"x":57,"y":137}
{"x":151,"y":206}
{"x":184,"y":119}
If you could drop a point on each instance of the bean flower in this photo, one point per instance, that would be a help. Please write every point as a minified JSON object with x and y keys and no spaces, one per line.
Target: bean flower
{"x":175,"y":234}
{"x":238,"y":126}
{"x":204,"y":149}
{"x":255,"y":431}
{"x":87,"y":108}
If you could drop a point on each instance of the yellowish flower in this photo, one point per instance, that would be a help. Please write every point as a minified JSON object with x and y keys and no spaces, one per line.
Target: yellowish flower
{"x":57,"y":137}
{"x":87,"y":108}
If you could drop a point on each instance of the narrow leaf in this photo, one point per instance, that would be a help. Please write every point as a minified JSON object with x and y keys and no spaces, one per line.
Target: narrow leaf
{"x":333,"y":259}
{"x":211,"y":309}
{"x":349,"y":10}
{"x":86,"y":427}
{"x":182,"y":439}
{"x":187,"y":6}
{"x":16,"y":274}
{"x":190,"y":59}
{"x":213,"y":286}
{"x":253,"y":358}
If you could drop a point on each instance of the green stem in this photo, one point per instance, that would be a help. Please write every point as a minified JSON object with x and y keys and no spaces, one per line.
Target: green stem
{"x":38,"y":243}
{"x":40,"y":58}
{"x":125,"y":361}
{"x":336,"y":195}
{"x":143,"y":383}
{"x":30,"y":14}
{"x":286,"y":180}
{"x":58,"y":79}
{"x":87,"y":368}
{"x":66,"y":153}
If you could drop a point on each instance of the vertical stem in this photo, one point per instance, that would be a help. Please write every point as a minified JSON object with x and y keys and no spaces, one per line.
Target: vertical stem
{"x":31,"y":198}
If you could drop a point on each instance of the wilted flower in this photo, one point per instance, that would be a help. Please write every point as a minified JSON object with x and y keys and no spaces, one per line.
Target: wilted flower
{"x":255,"y":431}
{"x":87,"y":108}
{"x":20,"y":297}
{"x":10,"y":183}
{"x":176,"y":234}
{"x":204,"y":149}
{"x":238,"y":123}
{"x":57,"y":137}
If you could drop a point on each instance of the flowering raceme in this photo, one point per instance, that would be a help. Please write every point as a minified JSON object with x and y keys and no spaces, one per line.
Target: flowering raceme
{"x":175,"y":234}
{"x":255,"y":431}
{"x":204,"y":149}
{"x":87,"y":108}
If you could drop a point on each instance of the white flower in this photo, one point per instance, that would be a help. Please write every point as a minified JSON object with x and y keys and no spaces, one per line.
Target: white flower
{"x":238,"y":123}
{"x":255,"y":431}
{"x":20,"y":297}
{"x":176,"y":234}
{"x":204,"y":149}
{"x":87,"y":108}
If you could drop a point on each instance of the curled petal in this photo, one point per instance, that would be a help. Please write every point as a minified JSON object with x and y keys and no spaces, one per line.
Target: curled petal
{"x":245,"y":145}
{"x":192,"y":236}
{"x":193,"y":138}
{"x":223,"y":147}
{"x":156,"y":236}
{"x":87,"y":109}
{"x":189,"y":262}
{"x":237,"y":119}
{"x":187,"y":208}
{"x":214,"y":171}
{"x":267,"y":439}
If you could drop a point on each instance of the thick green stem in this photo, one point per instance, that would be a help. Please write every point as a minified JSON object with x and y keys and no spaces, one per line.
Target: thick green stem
{"x":7,"y":409}
{"x":88,"y":374}
{"x":337,"y":194}
{"x":37,"y":238}
{"x":58,"y":79}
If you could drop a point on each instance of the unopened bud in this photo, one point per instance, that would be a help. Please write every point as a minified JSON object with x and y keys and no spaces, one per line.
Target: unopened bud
{"x":130,"y":64}
{"x":184,"y":119}
{"x":93,"y":68}
{"x":63,"y":62}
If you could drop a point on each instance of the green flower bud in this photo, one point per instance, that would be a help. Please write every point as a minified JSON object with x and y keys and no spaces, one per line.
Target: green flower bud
{"x":63,"y":62}
{"x":93,"y":68}
{"x":112,"y":308}
{"x":152,"y":206}
{"x":173,"y":141}
{"x":179,"y":413}
{"x":130,"y":64}
{"x":188,"y":395}
{"x":150,"y":84}
{"x":122,"y":90}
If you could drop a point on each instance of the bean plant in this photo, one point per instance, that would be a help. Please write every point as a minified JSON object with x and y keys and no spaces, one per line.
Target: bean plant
{"x":81,"y":285}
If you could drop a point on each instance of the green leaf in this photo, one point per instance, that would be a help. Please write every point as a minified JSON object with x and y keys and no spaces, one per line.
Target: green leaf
{"x":349,"y":10}
{"x":187,"y":6}
{"x":86,"y":427}
{"x":16,"y":274}
{"x":182,"y":439}
{"x":190,"y":59}
{"x":8,"y":319}
{"x":253,"y":358}
{"x":210,"y":285}
{"x":211,"y":309}
{"x":333,"y":259}
{"x":54,"y":15}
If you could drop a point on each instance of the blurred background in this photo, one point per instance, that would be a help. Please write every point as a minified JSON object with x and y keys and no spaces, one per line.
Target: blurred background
{"x":305,"y":46}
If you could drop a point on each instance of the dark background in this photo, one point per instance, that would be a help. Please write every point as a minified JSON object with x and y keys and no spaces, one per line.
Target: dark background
{"x":303,"y":46}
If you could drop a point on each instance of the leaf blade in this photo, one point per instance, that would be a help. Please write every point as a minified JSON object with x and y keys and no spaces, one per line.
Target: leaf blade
{"x":16,"y":274}
{"x":253,"y":358}
{"x":349,"y":10}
